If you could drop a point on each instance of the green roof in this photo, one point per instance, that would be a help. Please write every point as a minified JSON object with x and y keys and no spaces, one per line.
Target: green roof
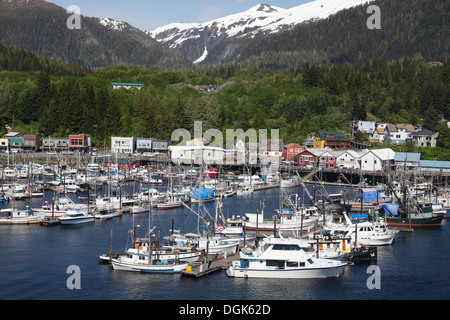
{"x":127,"y":84}
{"x":336,"y":134}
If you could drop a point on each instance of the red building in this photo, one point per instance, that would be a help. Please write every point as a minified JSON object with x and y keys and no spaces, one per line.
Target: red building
{"x":323,"y":158}
{"x":291,"y":150}
{"x":306,"y":159}
{"x":327,"y":160}
{"x":79,"y":143}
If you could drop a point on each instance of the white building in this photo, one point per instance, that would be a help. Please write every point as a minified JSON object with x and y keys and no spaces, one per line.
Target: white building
{"x":197,"y":154}
{"x":348,"y":159}
{"x":128,"y":86}
{"x":122,"y":144}
{"x":378,"y":159}
{"x":399,"y":133}
{"x":365,"y":126}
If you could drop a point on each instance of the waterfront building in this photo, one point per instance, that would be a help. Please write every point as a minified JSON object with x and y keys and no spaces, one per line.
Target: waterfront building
{"x":144,"y":145}
{"x":122,"y":145}
{"x":55,"y":144}
{"x":407,"y":160}
{"x":291,"y":150}
{"x":79,"y":143}
{"x":349,"y":159}
{"x":377,"y":160}
{"x":434,"y":165}
{"x":197,"y":154}
{"x":160,"y":146}
{"x":334,"y":140}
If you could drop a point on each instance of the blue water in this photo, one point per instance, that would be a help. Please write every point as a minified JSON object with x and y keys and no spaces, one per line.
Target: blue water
{"x":34,"y":261}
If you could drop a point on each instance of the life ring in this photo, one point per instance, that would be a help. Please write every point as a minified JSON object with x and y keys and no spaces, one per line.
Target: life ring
{"x":220,"y":228}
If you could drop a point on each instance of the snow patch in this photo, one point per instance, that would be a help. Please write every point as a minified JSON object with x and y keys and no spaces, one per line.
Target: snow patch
{"x":203,"y":57}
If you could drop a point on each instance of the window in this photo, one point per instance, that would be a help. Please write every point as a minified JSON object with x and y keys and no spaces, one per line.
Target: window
{"x":291,"y":264}
{"x":286,"y":247}
{"x":275,"y":263}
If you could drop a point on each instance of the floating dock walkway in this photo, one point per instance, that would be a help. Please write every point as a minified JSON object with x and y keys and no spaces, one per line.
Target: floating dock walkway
{"x":200,"y":268}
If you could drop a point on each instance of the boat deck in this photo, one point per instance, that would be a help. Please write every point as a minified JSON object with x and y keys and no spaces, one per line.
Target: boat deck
{"x":199,"y":268}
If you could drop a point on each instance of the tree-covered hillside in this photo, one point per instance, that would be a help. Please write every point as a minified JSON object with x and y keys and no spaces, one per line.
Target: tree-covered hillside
{"x":310,"y":98}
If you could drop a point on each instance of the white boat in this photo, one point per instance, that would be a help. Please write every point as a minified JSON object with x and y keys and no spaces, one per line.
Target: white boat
{"x":16,"y":191}
{"x":108,"y":214}
{"x":16,"y":216}
{"x":61,"y":206}
{"x":70,"y":186}
{"x":75,"y":217}
{"x":244,"y":191}
{"x":366,"y":233}
{"x":234,"y":229}
{"x":283,"y":258}
{"x":288,"y":222}
{"x":93,"y":168}
{"x":170,"y":203}
{"x":214,"y":244}
{"x":286,"y":183}
{"x":144,"y":256}
{"x":124,"y":263}
{"x":137,"y":209}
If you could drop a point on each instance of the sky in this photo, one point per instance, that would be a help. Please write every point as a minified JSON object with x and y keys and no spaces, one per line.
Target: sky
{"x":150,"y":14}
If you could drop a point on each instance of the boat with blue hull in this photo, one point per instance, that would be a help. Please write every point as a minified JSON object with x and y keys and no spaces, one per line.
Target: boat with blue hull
{"x":73,"y":217}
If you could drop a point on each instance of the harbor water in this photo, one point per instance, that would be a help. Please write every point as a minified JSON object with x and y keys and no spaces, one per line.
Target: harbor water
{"x":35,"y":262}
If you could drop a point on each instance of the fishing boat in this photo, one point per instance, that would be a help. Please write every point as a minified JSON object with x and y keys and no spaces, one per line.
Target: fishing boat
{"x":288,"y":222}
{"x":214,"y":245}
{"x":16,"y":216}
{"x":283,"y":258}
{"x":424,"y":216}
{"x":59,"y":208}
{"x":74,"y":216}
{"x":367,"y":233}
{"x":146,"y":256}
{"x":202,"y":194}
{"x":246,"y":190}
{"x":169,"y":203}
{"x":340,"y":247}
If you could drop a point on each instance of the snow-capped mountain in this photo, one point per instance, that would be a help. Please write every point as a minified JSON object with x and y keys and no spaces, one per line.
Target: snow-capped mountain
{"x":113,"y":24}
{"x":195,"y":40}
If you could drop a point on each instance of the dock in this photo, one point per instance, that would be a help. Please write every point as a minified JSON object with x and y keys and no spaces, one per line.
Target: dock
{"x":201,"y":268}
{"x":49,"y":221}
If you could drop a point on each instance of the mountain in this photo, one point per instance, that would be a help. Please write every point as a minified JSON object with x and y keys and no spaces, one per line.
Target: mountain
{"x":41,"y":27}
{"x":196,"y":40}
{"x":409,"y":28}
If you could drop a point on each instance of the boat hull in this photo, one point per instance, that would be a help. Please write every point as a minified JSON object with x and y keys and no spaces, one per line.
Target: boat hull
{"x":166,"y":268}
{"x":434,"y":221}
{"x":297,"y":273}
{"x":29,"y":220}
{"x":73,"y":221}
{"x":168,"y":206}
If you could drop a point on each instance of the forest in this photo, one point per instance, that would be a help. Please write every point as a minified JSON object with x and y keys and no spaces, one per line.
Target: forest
{"x":41,"y":95}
